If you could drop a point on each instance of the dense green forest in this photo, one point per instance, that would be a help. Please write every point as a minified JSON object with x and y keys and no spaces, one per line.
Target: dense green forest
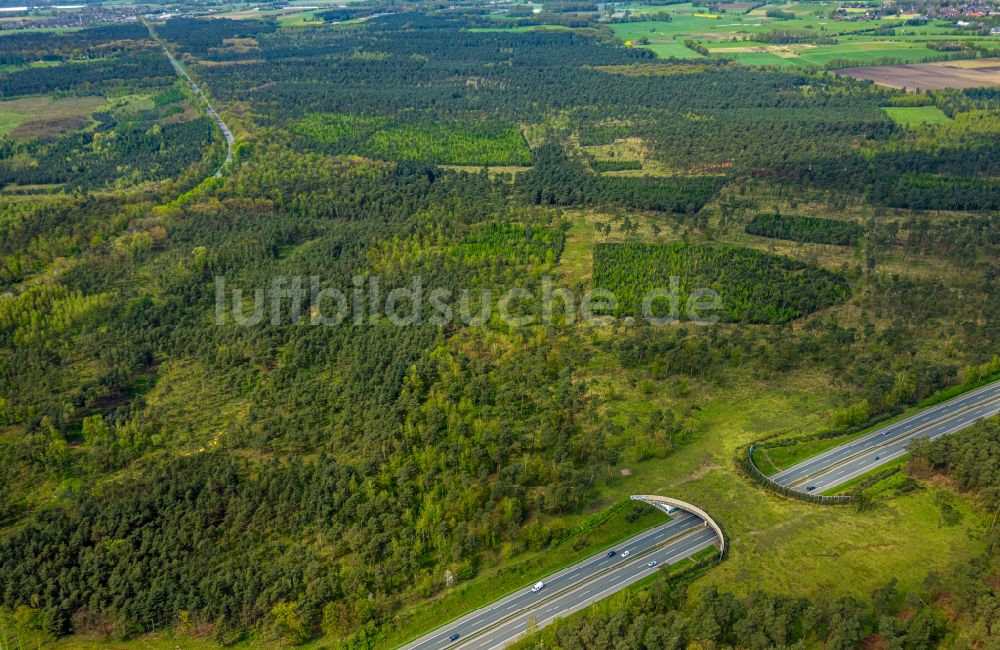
{"x":434,"y":142}
{"x":116,"y":155}
{"x":556,"y":178}
{"x":147,"y":130}
{"x":614,"y":165}
{"x":82,"y":44}
{"x":805,"y":229}
{"x":169,"y":470}
{"x":969,"y":460}
{"x":754,"y":287}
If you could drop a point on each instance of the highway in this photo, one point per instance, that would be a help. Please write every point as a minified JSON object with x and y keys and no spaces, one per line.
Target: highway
{"x":841,"y":464}
{"x":502,"y":622}
{"x":226,"y":133}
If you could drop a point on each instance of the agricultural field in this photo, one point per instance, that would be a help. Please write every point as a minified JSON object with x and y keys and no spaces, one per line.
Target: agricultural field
{"x":300,"y":17}
{"x":106,"y":121}
{"x":932,"y":76}
{"x":806,"y":54}
{"x":737,"y":35}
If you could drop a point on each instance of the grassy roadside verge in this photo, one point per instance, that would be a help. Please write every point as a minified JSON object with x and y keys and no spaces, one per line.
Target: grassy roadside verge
{"x":946,"y":394}
{"x":772,"y":540}
{"x":845,"y":488}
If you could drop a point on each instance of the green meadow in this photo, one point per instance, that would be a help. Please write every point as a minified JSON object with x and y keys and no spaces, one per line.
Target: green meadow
{"x":731,"y":35}
{"x":916,"y":115}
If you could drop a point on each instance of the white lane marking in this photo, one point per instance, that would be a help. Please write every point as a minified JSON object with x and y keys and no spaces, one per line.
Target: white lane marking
{"x":616,"y":587}
{"x":820,"y":487}
{"x":964,"y":419}
{"x":680,"y":517}
{"x":621,"y":571}
{"x":942,"y":408}
{"x":885,"y":459}
{"x":940,"y":418}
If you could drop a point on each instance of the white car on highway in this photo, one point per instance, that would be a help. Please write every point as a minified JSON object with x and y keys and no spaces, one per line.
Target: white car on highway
{"x":624,"y":554}
{"x":537,"y":586}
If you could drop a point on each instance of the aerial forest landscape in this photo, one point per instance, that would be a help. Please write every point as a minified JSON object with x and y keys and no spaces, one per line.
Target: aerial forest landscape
{"x":376,"y":324}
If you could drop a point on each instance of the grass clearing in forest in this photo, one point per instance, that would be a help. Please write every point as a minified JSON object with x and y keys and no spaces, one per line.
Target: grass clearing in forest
{"x":627,"y":149}
{"x":9,"y":121}
{"x":773,"y":540}
{"x":754,"y":198}
{"x":576,"y":262}
{"x":32,"y":117}
{"x":590,"y":227}
{"x":186,"y":391}
{"x":916,"y":115}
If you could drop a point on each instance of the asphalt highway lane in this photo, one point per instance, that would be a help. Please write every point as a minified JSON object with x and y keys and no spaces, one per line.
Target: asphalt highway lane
{"x":628,"y":572}
{"x":585,"y":582}
{"x":841,"y":464}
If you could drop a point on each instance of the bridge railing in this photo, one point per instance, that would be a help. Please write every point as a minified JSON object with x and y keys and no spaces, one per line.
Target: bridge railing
{"x":658,"y":502}
{"x":745,"y":462}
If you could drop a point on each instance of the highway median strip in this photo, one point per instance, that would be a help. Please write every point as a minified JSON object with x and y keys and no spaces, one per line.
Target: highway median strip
{"x":906,"y":435}
{"x":940,"y":406}
{"x":825,"y":472}
{"x":618,"y":587}
{"x":468,"y":616}
{"x":633,"y":560}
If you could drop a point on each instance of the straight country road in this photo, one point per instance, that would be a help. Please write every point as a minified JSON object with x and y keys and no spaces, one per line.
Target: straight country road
{"x":841,"y":464}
